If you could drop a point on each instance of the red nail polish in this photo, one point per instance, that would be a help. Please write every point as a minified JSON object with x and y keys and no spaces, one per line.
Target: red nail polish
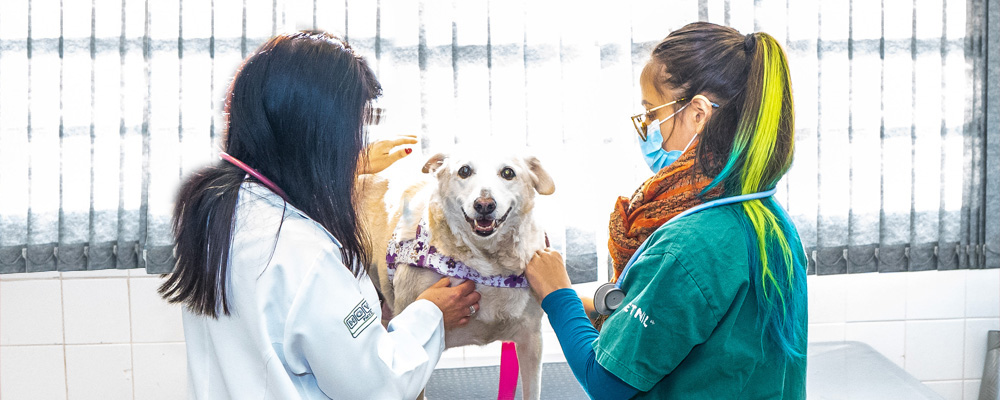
{"x":408,"y":151}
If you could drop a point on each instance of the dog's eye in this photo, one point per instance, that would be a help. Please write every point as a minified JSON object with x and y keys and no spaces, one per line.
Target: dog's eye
{"x":464,"y":172}
{"x":507,"y":173}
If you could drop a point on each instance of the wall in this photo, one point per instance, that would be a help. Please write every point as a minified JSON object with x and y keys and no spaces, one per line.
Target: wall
{"x":89,"y":335}
{"x":106,"y":335}
{"x":933,"y":324}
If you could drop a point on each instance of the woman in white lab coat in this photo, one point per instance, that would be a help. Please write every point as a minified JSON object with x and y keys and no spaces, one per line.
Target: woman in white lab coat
{"x":271,"y":252}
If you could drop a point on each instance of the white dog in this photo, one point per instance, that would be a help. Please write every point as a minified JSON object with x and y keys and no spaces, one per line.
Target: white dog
{"x":471,"y":217}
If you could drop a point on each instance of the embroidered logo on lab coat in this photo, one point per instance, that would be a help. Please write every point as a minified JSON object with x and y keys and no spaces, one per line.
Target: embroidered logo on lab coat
{"x":359,"y":318}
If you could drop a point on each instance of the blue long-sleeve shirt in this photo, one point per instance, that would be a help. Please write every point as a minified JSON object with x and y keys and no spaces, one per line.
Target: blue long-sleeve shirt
{"x":576,"y":336}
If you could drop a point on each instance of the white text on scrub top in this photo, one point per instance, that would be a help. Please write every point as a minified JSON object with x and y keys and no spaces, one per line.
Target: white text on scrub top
{"x":637,"y":313}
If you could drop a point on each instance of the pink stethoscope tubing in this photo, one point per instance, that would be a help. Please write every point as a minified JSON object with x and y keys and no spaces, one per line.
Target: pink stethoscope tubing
{"x":257,"y":175}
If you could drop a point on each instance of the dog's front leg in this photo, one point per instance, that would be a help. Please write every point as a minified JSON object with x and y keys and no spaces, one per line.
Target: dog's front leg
{"x":529,"y":360}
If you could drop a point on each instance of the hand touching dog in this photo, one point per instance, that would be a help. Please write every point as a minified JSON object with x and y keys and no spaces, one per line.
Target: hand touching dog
{"x":454,"y":302}
{"x":546,"y":273}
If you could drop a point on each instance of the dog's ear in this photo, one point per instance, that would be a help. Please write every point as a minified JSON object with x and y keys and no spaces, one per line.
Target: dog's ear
{"x":434,"y":163}
{"x":540,"y":177}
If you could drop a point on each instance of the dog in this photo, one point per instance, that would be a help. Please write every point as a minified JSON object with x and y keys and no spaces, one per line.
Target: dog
{"x":473,"y":209}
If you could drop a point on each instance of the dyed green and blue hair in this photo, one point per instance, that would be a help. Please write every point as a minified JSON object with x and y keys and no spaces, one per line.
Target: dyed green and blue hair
{"x":747,"y":147}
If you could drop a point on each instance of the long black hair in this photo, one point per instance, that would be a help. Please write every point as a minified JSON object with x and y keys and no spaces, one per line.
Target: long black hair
{"x":295,"y":112}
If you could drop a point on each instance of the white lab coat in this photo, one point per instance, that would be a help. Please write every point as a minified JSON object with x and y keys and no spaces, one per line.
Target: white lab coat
{"x":301,"y":326}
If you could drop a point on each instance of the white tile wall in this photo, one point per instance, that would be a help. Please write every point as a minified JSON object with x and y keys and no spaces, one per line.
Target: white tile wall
{"x":950,"y":390}
{"x":156,"y":373}
{"x":32,"y":276}
{"x":931,"y":323}
{"x":31,"y":312}
{"x":935,"y":294}
{"x":875,"y":296}
{"x":834,"y":332}
{"x":452,"y":358}
{"x":96,"y":310}
{"x":153,"y":320}
{"x":482,"y":355}
{"x":827,"y":298}
{"x":982,"y":293}
{"x":99,"y":371}
{"x":32,"y":372}
{"x":122,"y":342}
{"x":89,"y":335}
{"x":935,"y":349}
{"x":103,"y":273}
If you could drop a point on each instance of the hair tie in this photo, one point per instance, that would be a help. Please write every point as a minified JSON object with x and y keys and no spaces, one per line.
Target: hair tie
{"x":749,"y":42}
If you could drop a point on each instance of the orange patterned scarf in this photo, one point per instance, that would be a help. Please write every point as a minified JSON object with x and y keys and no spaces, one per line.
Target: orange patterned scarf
{"x":670,"y":192}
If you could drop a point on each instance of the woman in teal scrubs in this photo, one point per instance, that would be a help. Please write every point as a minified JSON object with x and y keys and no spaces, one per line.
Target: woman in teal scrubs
{"x":715,"y":304}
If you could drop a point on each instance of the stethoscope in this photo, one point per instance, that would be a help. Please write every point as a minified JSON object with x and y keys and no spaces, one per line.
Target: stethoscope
{"x":610,"y":296}
{"x":254,"y":173}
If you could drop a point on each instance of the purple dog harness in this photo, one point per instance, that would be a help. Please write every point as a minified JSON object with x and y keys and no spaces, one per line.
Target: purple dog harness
{"x":418,"y":253}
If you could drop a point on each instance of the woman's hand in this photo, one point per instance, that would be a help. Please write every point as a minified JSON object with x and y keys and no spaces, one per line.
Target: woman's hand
{"x":454,"y":302}
{"x":380,"y":155}
{"x":546,"y":273}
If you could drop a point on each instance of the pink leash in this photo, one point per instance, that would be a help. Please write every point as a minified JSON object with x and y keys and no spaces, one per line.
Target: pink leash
{"x":508,"y":365}
{"x":508,"y":371}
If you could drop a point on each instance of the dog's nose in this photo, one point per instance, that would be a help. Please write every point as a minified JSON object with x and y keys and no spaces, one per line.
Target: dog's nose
{"x":485,"y":205}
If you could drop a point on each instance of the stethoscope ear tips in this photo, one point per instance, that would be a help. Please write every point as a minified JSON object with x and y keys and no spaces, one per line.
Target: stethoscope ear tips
{"x":608,"y":298}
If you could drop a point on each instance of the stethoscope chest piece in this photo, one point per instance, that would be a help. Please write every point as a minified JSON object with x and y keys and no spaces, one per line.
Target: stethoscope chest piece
{"x":608,"y":298}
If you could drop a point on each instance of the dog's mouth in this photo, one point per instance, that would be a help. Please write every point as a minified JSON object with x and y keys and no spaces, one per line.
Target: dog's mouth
{"x":485,"y":225}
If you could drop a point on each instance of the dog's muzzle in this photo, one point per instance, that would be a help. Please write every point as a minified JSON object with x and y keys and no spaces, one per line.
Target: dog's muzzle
{"x":485,"y":224}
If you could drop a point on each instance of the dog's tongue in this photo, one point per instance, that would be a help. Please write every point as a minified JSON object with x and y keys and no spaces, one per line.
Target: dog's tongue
{"x":484,"y":223}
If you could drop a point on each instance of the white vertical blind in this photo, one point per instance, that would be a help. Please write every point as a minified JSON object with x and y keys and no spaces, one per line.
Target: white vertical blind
{"x":105,"y":106}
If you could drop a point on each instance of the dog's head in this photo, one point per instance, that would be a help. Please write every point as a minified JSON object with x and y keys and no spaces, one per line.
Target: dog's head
{"x":489,"y":193}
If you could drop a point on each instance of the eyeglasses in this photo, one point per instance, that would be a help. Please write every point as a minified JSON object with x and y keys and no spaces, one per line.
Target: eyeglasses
{"x":641,"y":120}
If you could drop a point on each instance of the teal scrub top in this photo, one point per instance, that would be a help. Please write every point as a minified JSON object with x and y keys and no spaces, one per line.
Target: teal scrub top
{"x":688,"y":327}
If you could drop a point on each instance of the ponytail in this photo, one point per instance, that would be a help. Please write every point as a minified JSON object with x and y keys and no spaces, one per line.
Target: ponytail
{"x":764,"y":143}
{"x":747,"y":146}
{"x":203,"y":230}
{"x":761,"y":154}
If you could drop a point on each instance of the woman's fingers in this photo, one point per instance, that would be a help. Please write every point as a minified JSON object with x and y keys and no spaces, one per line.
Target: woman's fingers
{"x":465,"y":320}
{"x":455,"y":302}
{"x":467,"y":287}
{"x":382,"y":147}
{"x":399,"y":141}
{"x":473,"y":300}
{"x":398,"y":155}
{"x":442,"y":283}
{"x":380,"y":155}
{"x":546,"y":273}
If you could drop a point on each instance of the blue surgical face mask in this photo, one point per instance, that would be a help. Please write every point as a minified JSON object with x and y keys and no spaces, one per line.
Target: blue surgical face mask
{"x":652,"y":149}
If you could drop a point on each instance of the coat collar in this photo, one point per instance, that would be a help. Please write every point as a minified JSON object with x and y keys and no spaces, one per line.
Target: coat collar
{"x":273,"y":200}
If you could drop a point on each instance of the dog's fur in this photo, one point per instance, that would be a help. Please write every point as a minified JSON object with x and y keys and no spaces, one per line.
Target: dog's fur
{"x":447,"y":202}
